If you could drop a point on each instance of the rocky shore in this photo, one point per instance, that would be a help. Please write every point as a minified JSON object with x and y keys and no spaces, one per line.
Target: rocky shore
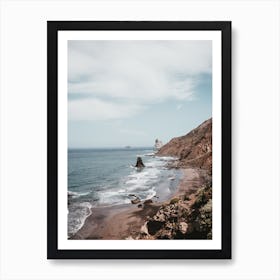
{"x":187,"y":215}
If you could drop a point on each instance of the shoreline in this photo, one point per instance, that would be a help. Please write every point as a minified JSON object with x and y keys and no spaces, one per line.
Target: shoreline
{"x":128,"y":221}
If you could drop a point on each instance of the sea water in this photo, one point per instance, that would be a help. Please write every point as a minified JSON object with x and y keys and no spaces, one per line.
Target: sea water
{"x":107,"y":177}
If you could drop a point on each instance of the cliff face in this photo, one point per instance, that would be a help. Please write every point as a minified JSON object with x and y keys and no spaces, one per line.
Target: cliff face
{"x":188,"y":215}
{"x":193,"y":149}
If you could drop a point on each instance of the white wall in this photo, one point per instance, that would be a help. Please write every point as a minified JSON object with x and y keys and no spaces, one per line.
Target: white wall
{"x":255,"y":140}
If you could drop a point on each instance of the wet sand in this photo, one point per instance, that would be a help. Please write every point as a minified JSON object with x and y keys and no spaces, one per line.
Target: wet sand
{"x":191,"y":180}
{"x":125,"y":221}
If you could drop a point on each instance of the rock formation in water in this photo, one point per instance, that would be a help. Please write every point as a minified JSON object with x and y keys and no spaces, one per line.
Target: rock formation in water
{"x":136,"y":200}
{"x":139,"y":163}
{"x":193,"y":149}
{"x":158,"y":144}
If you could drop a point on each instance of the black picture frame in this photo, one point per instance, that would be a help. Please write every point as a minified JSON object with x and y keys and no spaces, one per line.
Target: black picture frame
{"x":53,"y":27}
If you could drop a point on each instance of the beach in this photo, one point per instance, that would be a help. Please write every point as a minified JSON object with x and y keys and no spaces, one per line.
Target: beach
{"x":168,"y":196}
{"x":106,"y":181}
{"x":129,"y":221}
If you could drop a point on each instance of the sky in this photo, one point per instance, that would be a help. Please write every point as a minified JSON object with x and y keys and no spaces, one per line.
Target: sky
{"x":129,"y":93}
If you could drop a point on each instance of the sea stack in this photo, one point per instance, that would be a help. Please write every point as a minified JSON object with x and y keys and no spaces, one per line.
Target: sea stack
{"x":158,"y":144}
{"x":139,"y":163}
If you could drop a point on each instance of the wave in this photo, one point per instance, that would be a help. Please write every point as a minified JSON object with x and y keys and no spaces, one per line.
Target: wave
{"x":77,"y":194}
{"x":140,"y":184}
{"x":113,"y":198}
{"x":154,"y":181}
{"x":151,"y":194}
{"x":77,"y":216}
{"x":149,"y":155}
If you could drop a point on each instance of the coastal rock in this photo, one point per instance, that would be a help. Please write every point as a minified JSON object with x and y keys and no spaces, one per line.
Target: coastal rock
{"x":159,"y":217}
{"x":144,"y":229}
{"x":181,"y":219}
{"x":135,"y":200}
{"x":169,"y":225}
{"x":183,"y":227}
{"x":148,"y":201}
{"x":158,"y":144}
{"x":193,"y":149}
{"x":165,"y":234}
{"x":139,"y":163}
{"x":154,"y":226}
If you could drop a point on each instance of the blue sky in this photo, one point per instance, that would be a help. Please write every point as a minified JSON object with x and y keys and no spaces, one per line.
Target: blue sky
{"x":132,"y":92}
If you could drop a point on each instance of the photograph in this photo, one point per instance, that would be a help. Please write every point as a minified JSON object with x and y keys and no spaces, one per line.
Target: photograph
{"x":140,"y":139}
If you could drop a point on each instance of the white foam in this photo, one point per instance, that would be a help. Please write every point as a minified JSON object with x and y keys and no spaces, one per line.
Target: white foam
{"x":151,"y":193}
{"x":73,"y":194}
{"x":122,"y":191}
{"x":113,"y":198}
{"x":85,"y":193}
{"x":149,"y":154}
{"x":144,"y":184}
{"x":77,"y":194}
{"x":80,"y":218}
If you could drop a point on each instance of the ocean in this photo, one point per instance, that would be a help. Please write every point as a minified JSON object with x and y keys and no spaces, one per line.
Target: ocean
{"x":107,"y":177}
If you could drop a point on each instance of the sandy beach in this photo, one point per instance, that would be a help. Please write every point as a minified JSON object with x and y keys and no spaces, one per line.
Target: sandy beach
{"x":127,"y":221}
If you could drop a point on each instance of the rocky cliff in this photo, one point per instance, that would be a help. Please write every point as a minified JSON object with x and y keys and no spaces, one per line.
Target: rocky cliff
{"x":193,"y":149}
{"x":188,"y":215}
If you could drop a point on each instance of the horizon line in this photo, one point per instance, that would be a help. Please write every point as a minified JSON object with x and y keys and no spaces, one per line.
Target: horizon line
{"x":109,"y":147}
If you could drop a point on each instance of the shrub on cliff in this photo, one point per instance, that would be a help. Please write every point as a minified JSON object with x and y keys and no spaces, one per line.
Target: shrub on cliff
{"x":200,"y":219}
{"x":180,"y":220}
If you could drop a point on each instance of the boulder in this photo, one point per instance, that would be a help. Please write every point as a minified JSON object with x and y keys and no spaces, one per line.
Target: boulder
{"x":154,"y":226}
{"x":144,"y":229}
{"x":169,"y":225}
{"x":165,"y":234}
{"x":139,"y":163}
{"x":183,"y":227}
{"x":136,"y":200}
{"x":159,"y":217}
{"x":148,"y":201}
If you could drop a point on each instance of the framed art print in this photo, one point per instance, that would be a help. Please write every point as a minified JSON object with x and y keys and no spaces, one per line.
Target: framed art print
{"x":139,"y":140}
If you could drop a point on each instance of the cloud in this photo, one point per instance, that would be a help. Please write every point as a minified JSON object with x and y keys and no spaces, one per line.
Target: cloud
{"x":117,"y":75}
{"x":95,"y":109}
